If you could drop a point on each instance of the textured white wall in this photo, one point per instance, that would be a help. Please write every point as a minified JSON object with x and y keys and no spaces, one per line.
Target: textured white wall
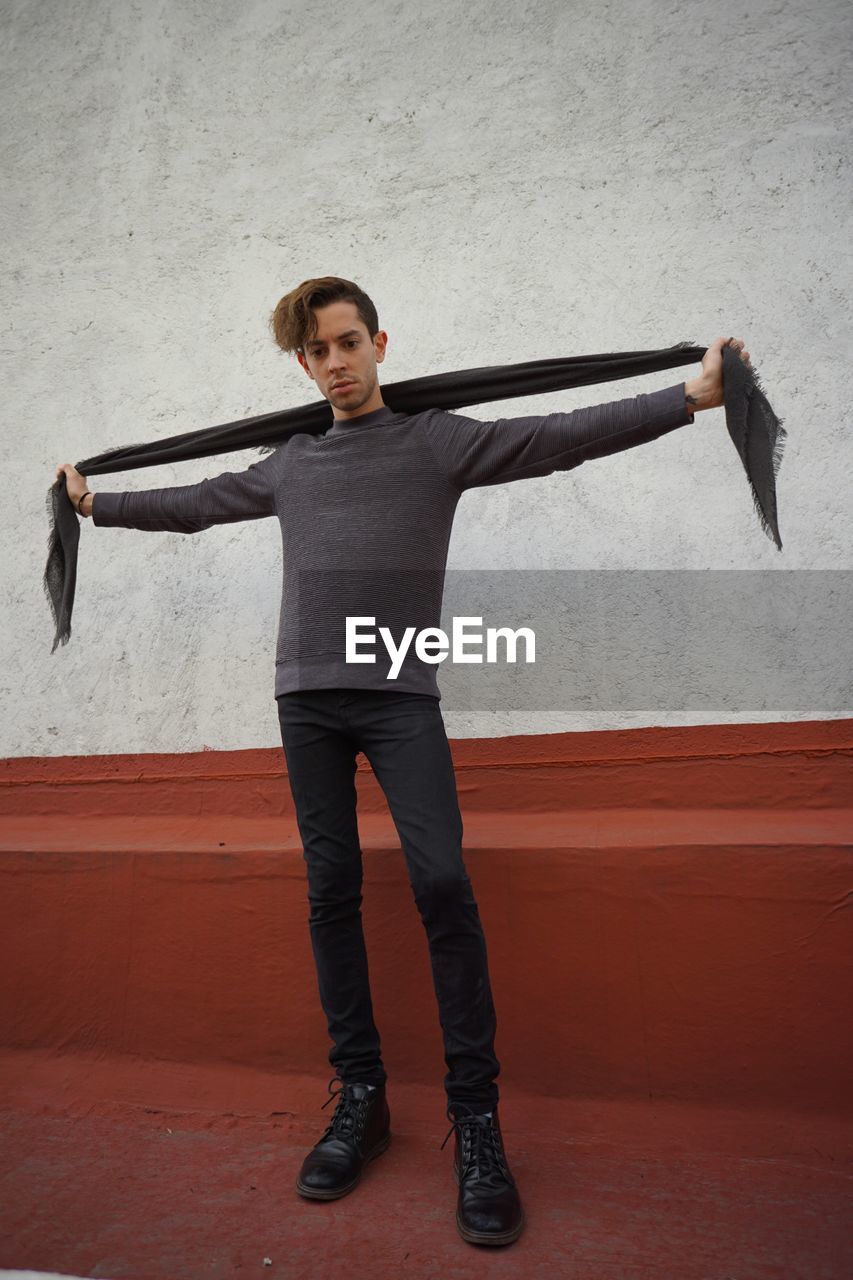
{"x":507,"y":181}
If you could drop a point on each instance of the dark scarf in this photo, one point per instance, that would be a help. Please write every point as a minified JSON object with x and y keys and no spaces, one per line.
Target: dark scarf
{"x":757,"y":434}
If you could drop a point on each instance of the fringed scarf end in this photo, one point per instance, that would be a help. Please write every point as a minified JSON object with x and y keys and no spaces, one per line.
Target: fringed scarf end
{"x":60,"y":574}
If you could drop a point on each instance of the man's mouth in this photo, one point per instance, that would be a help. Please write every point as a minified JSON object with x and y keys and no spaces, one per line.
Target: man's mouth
{"x":342,"y":386}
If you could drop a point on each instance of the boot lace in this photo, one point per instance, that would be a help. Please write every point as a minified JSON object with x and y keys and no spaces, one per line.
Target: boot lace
{"x":349,"y":1115}
{"x":480,"y":1148}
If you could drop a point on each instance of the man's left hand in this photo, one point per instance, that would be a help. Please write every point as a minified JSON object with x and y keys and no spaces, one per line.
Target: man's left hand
{"x":707,"y":389}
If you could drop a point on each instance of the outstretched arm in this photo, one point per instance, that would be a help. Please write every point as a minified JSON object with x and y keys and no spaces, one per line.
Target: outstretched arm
{"x":189,"y":508}
{"x":474,"y":454}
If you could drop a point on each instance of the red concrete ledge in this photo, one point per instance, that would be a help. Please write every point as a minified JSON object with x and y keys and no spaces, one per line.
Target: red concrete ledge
{"x":796,"y":764}
{"x":680,"y":948}
{"x":563,"y":830}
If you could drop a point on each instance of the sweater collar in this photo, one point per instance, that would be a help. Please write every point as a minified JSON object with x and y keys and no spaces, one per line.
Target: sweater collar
{"x":348,"y":426}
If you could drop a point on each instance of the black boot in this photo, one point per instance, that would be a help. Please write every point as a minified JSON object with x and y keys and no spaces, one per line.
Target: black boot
{"x":488,"y":1208}
{"x":359,"y":1131}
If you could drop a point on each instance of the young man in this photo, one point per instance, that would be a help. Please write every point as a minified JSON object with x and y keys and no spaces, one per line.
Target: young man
{"x":366,"y":512}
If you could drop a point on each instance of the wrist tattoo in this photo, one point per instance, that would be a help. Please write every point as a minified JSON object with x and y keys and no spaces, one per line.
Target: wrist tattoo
{"x":691,"y":399}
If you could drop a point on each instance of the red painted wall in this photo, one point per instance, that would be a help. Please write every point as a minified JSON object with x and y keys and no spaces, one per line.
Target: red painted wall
{"x":665,"y":911}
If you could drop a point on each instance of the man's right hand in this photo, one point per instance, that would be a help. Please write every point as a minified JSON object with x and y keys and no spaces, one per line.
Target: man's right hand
{"x":75,"y":483}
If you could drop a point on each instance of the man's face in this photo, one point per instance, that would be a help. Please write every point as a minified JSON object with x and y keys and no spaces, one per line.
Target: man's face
{"x":341,"y":358}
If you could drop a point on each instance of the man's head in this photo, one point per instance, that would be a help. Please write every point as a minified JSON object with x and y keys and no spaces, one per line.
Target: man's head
{"x":332,"y":327}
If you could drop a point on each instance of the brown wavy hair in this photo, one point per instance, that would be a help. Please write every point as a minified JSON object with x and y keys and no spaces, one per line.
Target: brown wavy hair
{"x":293,"y":321}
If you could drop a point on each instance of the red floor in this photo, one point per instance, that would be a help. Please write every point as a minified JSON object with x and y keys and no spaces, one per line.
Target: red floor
{"x":99,"y":1183}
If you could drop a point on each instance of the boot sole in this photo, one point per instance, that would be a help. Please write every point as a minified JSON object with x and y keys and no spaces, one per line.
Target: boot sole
{"x":487,"y":1237}
{"x":315,"y":1193}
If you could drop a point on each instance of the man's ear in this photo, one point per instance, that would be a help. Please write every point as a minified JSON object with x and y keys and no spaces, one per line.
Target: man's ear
{"x":379,"y":344}
{"x":300,"y":357}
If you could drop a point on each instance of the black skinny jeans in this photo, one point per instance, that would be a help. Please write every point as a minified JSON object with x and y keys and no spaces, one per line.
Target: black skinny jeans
{"x":404,"y":739}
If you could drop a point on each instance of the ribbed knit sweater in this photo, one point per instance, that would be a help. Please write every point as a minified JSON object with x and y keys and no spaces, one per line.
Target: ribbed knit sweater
{"x":366,"y":512}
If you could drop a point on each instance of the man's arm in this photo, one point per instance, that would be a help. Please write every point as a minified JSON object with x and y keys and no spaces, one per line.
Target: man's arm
{"x":189,"y":508}
{"x":475,"y":454}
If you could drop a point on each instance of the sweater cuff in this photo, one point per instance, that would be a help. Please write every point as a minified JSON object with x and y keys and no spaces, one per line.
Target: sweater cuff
{"x":105,"y":508}
{"x":670,"y":406}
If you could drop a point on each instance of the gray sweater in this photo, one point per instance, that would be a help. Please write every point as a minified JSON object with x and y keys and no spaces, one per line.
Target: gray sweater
{"x":366,"y":512}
